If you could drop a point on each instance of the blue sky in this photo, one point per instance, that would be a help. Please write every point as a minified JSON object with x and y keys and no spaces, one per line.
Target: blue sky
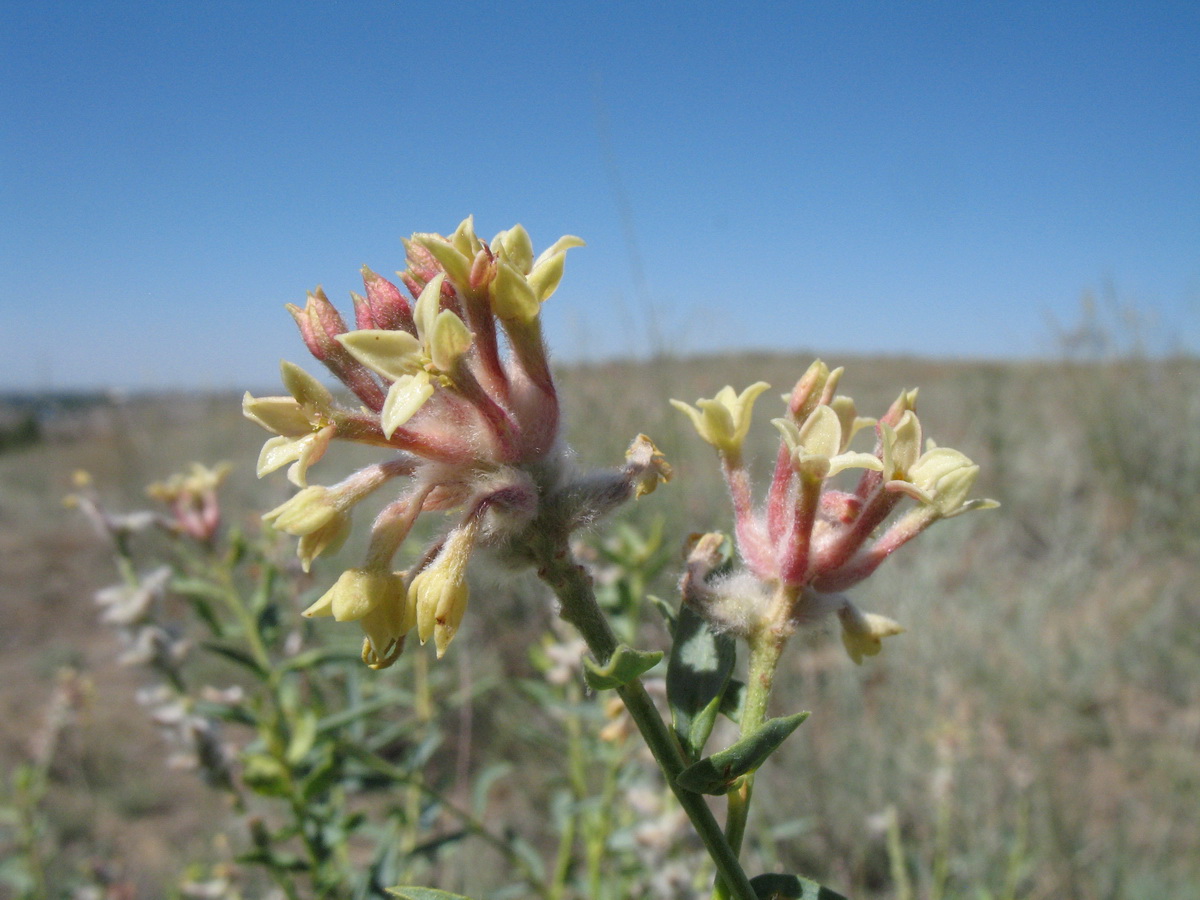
{"x":933,"y":178}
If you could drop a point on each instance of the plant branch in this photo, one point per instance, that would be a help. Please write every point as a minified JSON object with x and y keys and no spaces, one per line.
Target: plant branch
{"x":573,"y":587}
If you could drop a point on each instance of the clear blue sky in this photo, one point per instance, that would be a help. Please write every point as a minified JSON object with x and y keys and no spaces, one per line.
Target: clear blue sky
{"x":933,"y":178}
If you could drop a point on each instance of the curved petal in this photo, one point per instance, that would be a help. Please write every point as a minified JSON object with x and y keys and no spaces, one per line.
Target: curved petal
{"x":404,"y":398}
{"x":393,"y":354}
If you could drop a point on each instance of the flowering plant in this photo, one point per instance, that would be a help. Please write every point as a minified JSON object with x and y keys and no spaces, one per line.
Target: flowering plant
{"x":476,"y":431}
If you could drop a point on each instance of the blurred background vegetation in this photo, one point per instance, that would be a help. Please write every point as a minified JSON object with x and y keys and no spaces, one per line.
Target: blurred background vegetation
{"x":1034,"y":734}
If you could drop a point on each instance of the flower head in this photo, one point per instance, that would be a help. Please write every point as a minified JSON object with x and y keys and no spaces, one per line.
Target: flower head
{"x":813,"y":539}
{"x":456,"y":383}
{"x":192,"y":498}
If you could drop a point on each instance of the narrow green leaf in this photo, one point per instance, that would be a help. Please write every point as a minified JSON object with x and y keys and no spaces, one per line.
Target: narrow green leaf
{"x":319,"y":656}
{"x":265,"y":775}
{"x":733,"y":701}
{"x":533,"y":859}
{"x":227,"y":712}
{"x":422,"y":893}
{"x":625,"y":665}
{"x":323,"y":777}
{"x":276,"y":862}
{"x":237,"y":655}
{"x":197,"y":588}
{"x":261,"y":597}
{"x":666,"y":610}
{"x":716,"y":774}
{"x":304,"y":735}
{"x":483,"y":785}
{"x":790,"y":887}
{"x":430,"y":847}
{"x":699,"y":669}
{"x":384,"y":701}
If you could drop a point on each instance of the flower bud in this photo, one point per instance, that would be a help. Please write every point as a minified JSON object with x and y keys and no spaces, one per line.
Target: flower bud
{"x":515,"y":248}
{"x":316,"y":518}
{"x":439,"y":592}
{"x":464,"y":238}
{"x":387,"y":307}
{"x":807,"y":393}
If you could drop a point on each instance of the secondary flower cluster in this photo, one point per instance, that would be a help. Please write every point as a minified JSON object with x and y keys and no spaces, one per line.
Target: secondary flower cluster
{"x":474,"y":430}
{"x":812,"y":541}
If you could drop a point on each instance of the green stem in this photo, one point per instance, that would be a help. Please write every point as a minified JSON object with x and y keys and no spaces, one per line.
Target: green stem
{"x":765,"y":647}
{"x":573,"y":587}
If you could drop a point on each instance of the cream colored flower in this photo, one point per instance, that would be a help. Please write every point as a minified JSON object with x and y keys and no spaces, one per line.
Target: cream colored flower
{"x":376,"y":599}
{"x":439,"y":592}
{"x":863,"y":633}
{"x":818,"y":446}
{"x":318,"y":517}
{"x":724,"y":421}
{"x":941,"y":479}
{"x":411,"y":362}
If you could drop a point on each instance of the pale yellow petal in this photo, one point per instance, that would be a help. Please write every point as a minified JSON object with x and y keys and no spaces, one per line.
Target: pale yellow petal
{"x":393,"y":354}
{"x":404,"y":398}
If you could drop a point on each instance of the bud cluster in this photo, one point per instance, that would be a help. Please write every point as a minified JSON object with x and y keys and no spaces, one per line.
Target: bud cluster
{"x":473,"y":428}
{"x":811,"y":540}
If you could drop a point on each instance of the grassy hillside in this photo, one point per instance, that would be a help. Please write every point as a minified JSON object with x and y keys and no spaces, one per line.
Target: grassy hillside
{"x":1034,"y":734}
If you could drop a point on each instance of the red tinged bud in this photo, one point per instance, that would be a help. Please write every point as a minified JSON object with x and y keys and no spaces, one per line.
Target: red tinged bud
{"x":320,"y":323}
{"x":388,"y":308}
{"x":483,"y":269}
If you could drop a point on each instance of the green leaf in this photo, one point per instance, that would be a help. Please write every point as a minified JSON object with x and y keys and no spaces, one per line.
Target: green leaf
{"x":237,"y":655}
{"x":697,"y":674}
{"x":717,"y":774}
{"x":666,"y":610}
{"x":430,"y":847}
{"x":623,"y":666}
{"x":202,"y":595}
{"x":790,"y":887}
{"x":387,"y":700}
{"x":533,"y":859}
{"x":198,"y":588}
{"x":733,"y":701}
{"x":304,"y":735}
{"x":261,"y":598}
{"x":310,"y":659}
{"x":266,"y":775}
{"x":227,"y":712}
{"x":421,"y":893}
{"x":276,"y":862}
{"x":323,"y":777}
{"x":483,"y":785}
